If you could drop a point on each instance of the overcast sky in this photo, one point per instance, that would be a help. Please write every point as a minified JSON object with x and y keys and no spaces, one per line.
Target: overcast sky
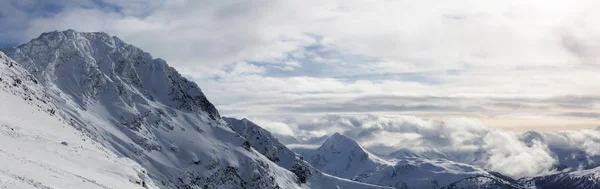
{"x":519,"y":65}
{"x":461,"y":76}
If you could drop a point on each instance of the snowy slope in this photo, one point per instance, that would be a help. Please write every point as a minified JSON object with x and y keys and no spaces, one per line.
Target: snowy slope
{"x":265,"y":143}
{"x":414,"y":172}
{"x":140,"y":108}
{"x":585,"y":179}
{"x":41,"y":151}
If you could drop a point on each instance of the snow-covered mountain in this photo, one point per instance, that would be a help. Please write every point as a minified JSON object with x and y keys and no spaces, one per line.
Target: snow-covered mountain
{"x":344,"y":157}
{"x":137,"y":107}
{"x":585,"y":179}
{"x":433,"y":169}
{"x":414,"y":172}
{"x":265,"y":143}
{"x":41,"y":150}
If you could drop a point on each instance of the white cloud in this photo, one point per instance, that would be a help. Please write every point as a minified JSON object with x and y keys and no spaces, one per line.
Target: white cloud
{"x":278,"y":128}
{"x":469,"y":47}
{"x":448,"y":35}
{"x":510,"y":156}
{"x":516,"y":154}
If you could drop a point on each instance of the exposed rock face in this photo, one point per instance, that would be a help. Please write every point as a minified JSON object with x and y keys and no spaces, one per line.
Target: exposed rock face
{"x":262,"y":140}
{"x":85,"y":65}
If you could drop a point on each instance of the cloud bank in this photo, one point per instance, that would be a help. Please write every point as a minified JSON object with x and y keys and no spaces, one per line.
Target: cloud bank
{"x":299,"y":57}
{"x":517,"y":154}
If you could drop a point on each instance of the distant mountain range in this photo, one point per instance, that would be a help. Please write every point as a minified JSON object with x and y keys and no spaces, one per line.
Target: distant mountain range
{"x":344,"y":157}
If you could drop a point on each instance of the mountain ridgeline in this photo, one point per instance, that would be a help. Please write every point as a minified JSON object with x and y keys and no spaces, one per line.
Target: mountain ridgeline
{"x":87,"y":66}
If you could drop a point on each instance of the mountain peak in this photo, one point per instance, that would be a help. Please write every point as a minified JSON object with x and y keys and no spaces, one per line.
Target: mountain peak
{"x":93,"y":66}
{"x":349,"y":157}
{"x":337,"y":134}
{"x":340,"y":137}
{"x":71,"y":33}
{"x":57,"y":38}
{"x":340,"y":140}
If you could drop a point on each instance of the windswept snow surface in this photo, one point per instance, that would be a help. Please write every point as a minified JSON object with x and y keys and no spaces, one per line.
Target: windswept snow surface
{"x":41,"y":151}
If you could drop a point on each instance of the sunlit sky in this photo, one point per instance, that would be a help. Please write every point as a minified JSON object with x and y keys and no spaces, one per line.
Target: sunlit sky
{"x":518,"y":65}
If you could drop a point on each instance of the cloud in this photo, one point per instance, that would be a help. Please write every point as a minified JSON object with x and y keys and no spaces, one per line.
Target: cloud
{"x":277,"y":128}
{"x":592,"y":115}
{"x":509,"y":155}
{"x":449,"y":36}
{"x":580,"y":38}
{"x":338,"y":51}
{"x":517,"y":154}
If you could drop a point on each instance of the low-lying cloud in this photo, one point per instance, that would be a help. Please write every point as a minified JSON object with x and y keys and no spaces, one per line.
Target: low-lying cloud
{"x":516,"y":154}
